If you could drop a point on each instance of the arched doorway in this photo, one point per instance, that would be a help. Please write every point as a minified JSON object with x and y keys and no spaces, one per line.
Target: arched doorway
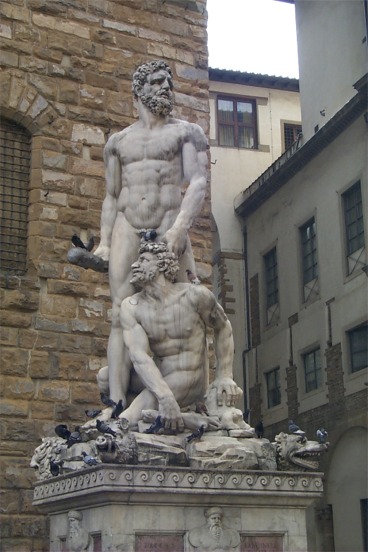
{"x":347,"y":491}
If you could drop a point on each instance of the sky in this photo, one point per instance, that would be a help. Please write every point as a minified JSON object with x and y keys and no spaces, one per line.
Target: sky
{"x":255,"y":36}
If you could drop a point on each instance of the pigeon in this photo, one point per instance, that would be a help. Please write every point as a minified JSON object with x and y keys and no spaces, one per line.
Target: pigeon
{"x":89,"y":460}
{"x":293,"y":428}
{"x":246,"y":415}
{"x":106,"y":400}
{"x":196,"y":435}
{"x":322,"y":435}
{"x":54,"y":468}
{"x":193,"y":279}
{"x":104,"y":428}
{"x":77,"y":242}
{"x":93,"y":412}
{"x":74,"y":437}
{"x":148,"y":235}
{"x":118,"y":409}
{"x":62,"y":431}
{"x":259,"y":429}
{"x":155,"y":427}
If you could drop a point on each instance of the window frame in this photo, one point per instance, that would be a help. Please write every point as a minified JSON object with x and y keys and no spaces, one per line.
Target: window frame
{"x":297,"y":130}
{"x":350,"y":333}
{"x":15,"y":195}
{"x":275,"y":389}
{"x":274,"y":280}
{"x":309,"y":250}
{"x":316,"y":371}
{"x":235,"y":124}
{"x":355,"y":258}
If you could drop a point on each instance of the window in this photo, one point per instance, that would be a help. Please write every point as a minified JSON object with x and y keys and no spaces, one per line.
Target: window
{"x":272,"y":285}
{"x":237,"y":125}
{"x":354,"y":230}
{"x":291,"y":133}
{"x":312,"y":370}
{"x":15,"y":155}
{"x":358,"y":348}
{"x":309,"y":259}
{"x":273,"y":388}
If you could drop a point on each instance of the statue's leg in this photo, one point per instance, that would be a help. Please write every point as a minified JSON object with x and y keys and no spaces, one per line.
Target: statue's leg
{"x":124,"y":252}
{"x":144,"y":401}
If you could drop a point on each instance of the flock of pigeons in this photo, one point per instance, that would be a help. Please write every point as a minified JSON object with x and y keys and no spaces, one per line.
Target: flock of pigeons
{"x":73,"y":437}
{"x":293,"y":428}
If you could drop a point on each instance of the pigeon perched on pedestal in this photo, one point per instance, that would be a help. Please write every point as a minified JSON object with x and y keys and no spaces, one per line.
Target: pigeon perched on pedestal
{"x":155,"y":427}
{"x":322,"y":435}
{"x":62,"y":431}
{"x":92,"y":412}
{"x":293,"y":428}
{"x":196,"y":435}
{"x":74,"y":437}
{"x":104,"y":428}
{"x":106,"y":400}
{"x":118,"y":409}
{"x":54,"y":468}
{"x":89,"y":460}
{"x":259,"y":429}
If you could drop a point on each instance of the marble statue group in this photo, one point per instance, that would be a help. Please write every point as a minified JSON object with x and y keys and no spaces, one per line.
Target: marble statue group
{"x":157,"y":356}
{"x":160,"y":408}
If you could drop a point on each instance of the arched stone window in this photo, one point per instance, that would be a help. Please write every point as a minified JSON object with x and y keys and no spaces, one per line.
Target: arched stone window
{"x":15,"y":163}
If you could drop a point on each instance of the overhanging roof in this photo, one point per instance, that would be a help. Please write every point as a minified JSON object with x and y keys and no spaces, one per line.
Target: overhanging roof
{"x":253,"y":79}
{"x":285,"y":167}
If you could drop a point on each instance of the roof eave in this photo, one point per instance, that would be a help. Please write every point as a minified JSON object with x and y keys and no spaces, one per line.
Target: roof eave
{"x":260,"y":190}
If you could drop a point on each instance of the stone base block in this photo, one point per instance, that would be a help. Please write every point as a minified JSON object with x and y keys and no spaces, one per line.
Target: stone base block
{"x":112,"y":508}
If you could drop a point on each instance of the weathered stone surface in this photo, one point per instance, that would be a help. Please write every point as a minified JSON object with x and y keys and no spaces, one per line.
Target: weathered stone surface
{"x":15,"y":387}
{"x":14,"y":361}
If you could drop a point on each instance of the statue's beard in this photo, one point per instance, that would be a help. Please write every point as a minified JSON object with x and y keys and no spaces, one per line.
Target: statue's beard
{"x":216,"y":531}
{"x":158,"y":105}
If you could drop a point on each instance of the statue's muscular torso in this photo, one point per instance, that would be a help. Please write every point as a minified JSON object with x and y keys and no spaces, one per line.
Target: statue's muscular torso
{"x":151,"y":172}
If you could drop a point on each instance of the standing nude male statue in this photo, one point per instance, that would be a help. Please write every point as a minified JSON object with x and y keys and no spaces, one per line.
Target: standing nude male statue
{"x":164,"y":330}
{"x":147,"y":165}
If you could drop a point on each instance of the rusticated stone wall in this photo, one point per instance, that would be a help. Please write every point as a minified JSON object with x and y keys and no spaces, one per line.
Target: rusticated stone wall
{"x":66,"y":68}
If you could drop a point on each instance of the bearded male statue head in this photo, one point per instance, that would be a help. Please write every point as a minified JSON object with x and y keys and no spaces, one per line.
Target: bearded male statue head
{"x":159,"y":102}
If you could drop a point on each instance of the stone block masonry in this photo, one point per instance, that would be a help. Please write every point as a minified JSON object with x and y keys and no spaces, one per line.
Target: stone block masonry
{"x":66,"y":70}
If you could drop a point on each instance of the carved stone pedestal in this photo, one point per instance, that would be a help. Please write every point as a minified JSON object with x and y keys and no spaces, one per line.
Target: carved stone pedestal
{"x":151,"y":509}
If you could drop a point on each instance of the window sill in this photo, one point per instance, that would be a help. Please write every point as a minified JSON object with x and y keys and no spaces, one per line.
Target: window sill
{"x":313,"y":399}
{"x":356,"y":381}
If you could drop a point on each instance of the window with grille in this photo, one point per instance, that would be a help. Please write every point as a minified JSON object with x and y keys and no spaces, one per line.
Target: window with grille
{"x":273,"y":387}
{"x":272,"y":285}
{"x":237,"y":122}
{"x":271,"y":288}
{"x":354,"y":229}
{"x":15,"y":156}
{"x":312,"y":370}
{"x":309,"y":259}
{"x":291,"y":133}
{"x":358,"y":348}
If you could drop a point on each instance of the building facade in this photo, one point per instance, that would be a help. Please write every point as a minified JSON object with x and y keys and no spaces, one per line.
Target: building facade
{"x":66,"y":70}
{"x":254,"y":119}
{"x":305,"y":226}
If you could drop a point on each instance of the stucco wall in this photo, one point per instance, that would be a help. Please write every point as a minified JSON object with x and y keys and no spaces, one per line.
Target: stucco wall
{"x":331,"y":41}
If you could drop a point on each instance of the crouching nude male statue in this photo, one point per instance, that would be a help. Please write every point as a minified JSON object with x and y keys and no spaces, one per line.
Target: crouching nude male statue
{"x":164,"y":331}
{"x":147,"y":165}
